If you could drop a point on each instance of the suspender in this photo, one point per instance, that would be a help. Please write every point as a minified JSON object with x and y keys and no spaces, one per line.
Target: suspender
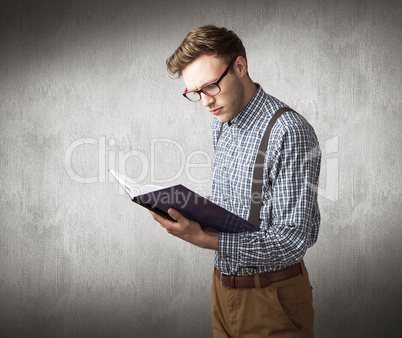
{"x":256,"y":187}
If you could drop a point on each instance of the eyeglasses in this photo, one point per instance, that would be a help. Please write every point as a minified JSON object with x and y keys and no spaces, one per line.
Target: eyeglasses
{"x":210,"y":89}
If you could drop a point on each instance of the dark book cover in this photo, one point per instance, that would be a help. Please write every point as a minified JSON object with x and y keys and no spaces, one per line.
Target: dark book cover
{"x":192,"y":205}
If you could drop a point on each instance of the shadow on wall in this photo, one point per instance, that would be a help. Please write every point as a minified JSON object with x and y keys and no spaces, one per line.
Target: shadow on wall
{"x":362,"y":299}
{"x":117,"y":314}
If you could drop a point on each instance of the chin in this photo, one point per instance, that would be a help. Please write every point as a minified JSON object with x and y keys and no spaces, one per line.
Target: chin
{"x":222,"y":118}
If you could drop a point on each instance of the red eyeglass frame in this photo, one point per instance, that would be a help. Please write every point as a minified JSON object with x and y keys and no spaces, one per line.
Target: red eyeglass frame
{"x":224,"y":73}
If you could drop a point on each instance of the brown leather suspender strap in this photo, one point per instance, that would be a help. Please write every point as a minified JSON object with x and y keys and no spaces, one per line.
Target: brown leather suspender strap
{"x":256,"y":187}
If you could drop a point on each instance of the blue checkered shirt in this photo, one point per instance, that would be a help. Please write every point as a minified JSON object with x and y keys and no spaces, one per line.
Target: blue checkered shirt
{"x":289,"y":216}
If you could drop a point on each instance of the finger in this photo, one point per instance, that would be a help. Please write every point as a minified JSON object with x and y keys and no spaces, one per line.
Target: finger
{"x":158,"y":218}
{"x":177,"y":216}
{"x":164,"y":223}
{"x":154,"y":215}
{"x":210,"y":230}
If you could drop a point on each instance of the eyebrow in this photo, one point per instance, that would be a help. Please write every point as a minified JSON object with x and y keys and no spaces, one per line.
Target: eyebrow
{"x":208,"y":83}
{"x":203,"y":85}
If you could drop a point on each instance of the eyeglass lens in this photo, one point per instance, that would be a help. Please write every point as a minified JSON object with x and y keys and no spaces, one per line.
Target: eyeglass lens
{"x":209,"y":90}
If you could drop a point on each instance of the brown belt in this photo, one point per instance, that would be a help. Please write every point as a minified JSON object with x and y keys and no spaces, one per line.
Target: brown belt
{"x":237,"y":282}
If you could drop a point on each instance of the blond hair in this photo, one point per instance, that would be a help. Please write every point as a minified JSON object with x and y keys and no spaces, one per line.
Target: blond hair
{"x":205,"y":40}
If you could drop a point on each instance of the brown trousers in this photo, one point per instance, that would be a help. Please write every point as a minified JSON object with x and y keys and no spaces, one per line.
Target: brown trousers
{"x":282,"y":309}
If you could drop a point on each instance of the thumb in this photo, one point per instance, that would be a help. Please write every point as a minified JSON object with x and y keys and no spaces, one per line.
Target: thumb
{"x":174,"y":214}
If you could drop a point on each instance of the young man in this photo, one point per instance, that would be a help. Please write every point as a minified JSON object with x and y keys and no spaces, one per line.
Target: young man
{"x":260,"y":284}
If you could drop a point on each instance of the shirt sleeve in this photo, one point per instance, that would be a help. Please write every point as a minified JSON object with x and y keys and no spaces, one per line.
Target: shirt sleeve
{"x":208,"y":196}
{"x":291,"y":224}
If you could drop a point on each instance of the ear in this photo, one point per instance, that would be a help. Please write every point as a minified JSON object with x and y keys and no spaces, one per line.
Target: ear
{"x":240,"y":66}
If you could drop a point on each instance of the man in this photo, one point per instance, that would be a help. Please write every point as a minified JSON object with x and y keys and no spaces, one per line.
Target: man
{"x":260,"y":284}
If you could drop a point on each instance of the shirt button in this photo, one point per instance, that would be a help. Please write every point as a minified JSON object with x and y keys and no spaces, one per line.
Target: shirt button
{"x":225,"y":198}
{"x":234,"y":138}
{"x":224,"y":168}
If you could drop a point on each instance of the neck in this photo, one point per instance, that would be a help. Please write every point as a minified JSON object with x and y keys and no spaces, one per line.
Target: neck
{"x":250,"y":89}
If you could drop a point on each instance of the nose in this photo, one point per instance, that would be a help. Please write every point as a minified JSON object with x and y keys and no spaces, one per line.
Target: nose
{"x":207,"y":100}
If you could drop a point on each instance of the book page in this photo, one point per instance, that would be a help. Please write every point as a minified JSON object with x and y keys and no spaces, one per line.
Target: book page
{"x":148,"y":188}
{"x":132,"y":188}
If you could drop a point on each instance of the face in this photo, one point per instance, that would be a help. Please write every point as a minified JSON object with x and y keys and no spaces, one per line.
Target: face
{"x":206,"y":69}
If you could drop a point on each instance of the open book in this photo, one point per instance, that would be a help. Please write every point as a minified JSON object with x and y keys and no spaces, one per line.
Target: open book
{"x":192,"y":205}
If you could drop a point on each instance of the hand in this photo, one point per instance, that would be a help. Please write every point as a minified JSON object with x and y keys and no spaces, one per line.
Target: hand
{"x":188,"y":230}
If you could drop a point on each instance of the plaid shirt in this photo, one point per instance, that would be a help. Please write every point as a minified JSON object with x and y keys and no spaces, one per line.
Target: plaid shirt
{"x":289,"y":217}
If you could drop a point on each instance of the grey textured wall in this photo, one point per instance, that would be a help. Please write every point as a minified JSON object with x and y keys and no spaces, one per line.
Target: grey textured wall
{"x":84,"y":88}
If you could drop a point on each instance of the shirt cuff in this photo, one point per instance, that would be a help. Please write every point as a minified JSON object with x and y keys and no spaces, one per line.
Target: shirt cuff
{"x":228,"y":246}
{"x":207,"y":196}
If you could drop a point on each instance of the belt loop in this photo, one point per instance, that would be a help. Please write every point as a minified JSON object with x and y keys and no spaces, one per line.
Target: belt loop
{"x":257,"y":280}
